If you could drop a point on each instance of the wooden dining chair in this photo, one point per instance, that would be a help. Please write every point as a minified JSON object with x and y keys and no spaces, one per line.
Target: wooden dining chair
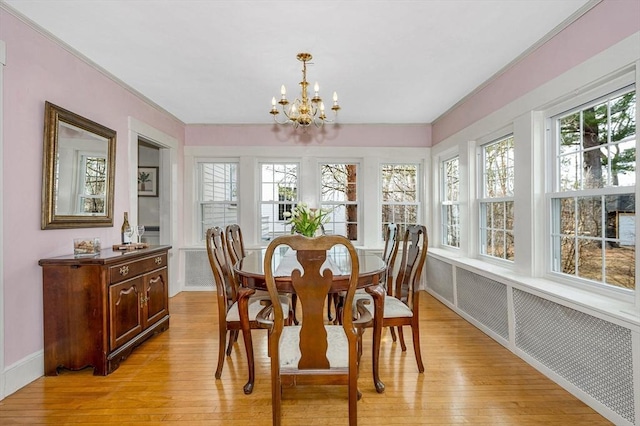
{"x":401,"y":308}
{"x":235,"y":243}
{"x":313,"y":353}
{"x":236,"y":305}
{"x":389,"y":254}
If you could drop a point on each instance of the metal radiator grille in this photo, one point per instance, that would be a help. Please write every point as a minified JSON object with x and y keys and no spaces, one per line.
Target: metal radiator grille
{"x":592,"y":354}
{"x":440,"y":277}
{"x":483,"y":299}
{"x":197,"y":271}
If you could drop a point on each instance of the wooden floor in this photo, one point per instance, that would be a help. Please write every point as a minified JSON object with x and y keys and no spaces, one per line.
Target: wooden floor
{"x":468,"y":379}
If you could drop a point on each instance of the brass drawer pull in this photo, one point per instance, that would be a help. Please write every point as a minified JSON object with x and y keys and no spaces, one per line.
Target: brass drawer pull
{"x":158,"y":260}
{"x":124,"y":270}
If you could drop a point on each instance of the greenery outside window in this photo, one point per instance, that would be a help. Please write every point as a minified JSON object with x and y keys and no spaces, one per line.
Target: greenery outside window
{"x":496,"y":199}
{"x":593,"y":202}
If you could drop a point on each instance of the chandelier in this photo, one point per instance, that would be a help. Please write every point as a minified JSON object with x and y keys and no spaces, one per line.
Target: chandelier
{"x":304,"y":110}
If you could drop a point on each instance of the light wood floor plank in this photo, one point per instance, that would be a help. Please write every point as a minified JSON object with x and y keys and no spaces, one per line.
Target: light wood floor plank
{"x":469,"y":379}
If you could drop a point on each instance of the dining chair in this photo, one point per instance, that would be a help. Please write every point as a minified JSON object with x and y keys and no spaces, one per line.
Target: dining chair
{"x":235,"y":243}
{"x":314,"y":352}
{"x":389,"y":254}
{"x":236,"y":305}
{"x":402,"y":306}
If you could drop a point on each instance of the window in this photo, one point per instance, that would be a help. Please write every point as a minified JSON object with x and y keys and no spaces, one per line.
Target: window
{"x":278,"y":193}
{"x":400,"y":201}
{"x":592,"y":198}
{"x":496,"y":199}
{"x":218,"y":195}
{"x":93,"y":180}
{"x":451,"y":202}
{"x":340,"y":196}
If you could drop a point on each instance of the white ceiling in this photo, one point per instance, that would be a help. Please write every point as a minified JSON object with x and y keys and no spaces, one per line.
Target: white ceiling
{"x":208,"y":61}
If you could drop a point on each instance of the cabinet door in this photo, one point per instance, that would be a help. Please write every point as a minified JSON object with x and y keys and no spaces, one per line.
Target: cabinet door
{"x":156,"y":297}
{"x":125,"y":321}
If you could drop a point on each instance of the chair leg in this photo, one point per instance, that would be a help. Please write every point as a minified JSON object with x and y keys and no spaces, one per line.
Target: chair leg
{"x":401,"y":337}
{"x":393,"y":333}
{"x":248,"y":344}
{"x":415,"y":330}
{"x":222,"y":340}
{"x":329,"y":317}
{"x":233,"y":337}
{"x":276,"y":401}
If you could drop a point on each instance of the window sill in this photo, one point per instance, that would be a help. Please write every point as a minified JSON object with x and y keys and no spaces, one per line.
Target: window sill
{"x":602,"y":306}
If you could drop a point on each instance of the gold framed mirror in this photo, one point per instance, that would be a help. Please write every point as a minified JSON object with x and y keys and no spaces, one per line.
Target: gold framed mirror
{"x":78,"y":171}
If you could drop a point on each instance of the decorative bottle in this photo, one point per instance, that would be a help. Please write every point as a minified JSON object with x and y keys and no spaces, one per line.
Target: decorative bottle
{"x":125,"y":234}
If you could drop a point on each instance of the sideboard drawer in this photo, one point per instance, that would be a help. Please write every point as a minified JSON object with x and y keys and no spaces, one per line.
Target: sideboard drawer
{"x":127,"y":270}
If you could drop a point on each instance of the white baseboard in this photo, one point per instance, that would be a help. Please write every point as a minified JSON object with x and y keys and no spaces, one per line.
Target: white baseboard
{"x":22,"y":373}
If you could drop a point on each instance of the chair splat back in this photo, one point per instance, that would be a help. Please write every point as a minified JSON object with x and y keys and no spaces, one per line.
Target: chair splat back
{"x":414,"y":253}
{"x":315,"y":352}
{"x":390,"y":253}
{"x":235,"y":243}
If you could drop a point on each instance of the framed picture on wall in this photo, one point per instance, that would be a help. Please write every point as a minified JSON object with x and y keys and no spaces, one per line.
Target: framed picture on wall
{"x":147,"y":181}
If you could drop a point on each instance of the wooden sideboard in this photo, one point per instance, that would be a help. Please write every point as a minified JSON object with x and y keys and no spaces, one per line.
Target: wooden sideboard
{"x":98,"y":309}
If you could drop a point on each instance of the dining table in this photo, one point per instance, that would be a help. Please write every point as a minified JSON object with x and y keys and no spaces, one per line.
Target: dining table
{"x":250,"y":274}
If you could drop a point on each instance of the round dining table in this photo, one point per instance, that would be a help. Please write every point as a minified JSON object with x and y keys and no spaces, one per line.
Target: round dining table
{"x":250,"y":273}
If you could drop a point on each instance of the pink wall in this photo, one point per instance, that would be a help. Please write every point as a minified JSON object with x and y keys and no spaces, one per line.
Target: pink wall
{"x":606,"y":24}
{"x":38,"y":69}
{"x":418,"y":135}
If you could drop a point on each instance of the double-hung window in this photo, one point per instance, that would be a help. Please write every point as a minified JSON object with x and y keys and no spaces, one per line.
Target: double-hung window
{"x":339,"y":196}
{"x":93,"y":184}
{"x":278,"y":194}
{"x":450,"y":210}
{"x":217,"y":195}
{"x":400,"y":194}
{"x":592,"y":196}
{"x":496,"y":198}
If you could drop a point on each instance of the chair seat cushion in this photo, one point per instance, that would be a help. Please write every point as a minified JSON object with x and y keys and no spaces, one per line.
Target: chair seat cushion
{"x":337,"y":351}
{"x":255,"y":306}
{"x":393,"y":308}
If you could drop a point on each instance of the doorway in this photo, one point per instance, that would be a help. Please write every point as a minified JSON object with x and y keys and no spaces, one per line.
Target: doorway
{"x":149,"y":172}
{"x":163,"y":148}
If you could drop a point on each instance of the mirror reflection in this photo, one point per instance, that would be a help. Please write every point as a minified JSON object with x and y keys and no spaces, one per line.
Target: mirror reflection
{"x":78,"y":172}
{"x":81,"y":182}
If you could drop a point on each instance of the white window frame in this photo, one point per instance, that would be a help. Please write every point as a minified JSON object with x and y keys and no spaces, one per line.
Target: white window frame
{"x":333,"y":205}
{"x":230,"y":202}
{"x":419,"y":193}
{"x":614,"y":86}
{"x":277,"y":225}
{"x":446,"y":203}
{"x":485,"y":201}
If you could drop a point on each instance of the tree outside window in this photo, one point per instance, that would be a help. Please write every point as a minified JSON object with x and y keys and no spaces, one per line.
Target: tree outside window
{"x":400,"y":202}
{"x":594,"y":205}
{"x":496,"y":200}
{"x":451,"y":202}
{"x":339,"y":195}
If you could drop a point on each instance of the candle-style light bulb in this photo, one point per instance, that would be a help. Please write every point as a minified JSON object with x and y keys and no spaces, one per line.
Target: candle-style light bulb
{"x":283,"y":91}
{"x":273,"y":102}
{"x":316,"y":88}
{"x":335,"y":96}
{"x":322,"y":107}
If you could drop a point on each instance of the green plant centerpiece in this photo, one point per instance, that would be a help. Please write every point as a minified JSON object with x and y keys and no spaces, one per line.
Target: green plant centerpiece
{"x":305,"y":220}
